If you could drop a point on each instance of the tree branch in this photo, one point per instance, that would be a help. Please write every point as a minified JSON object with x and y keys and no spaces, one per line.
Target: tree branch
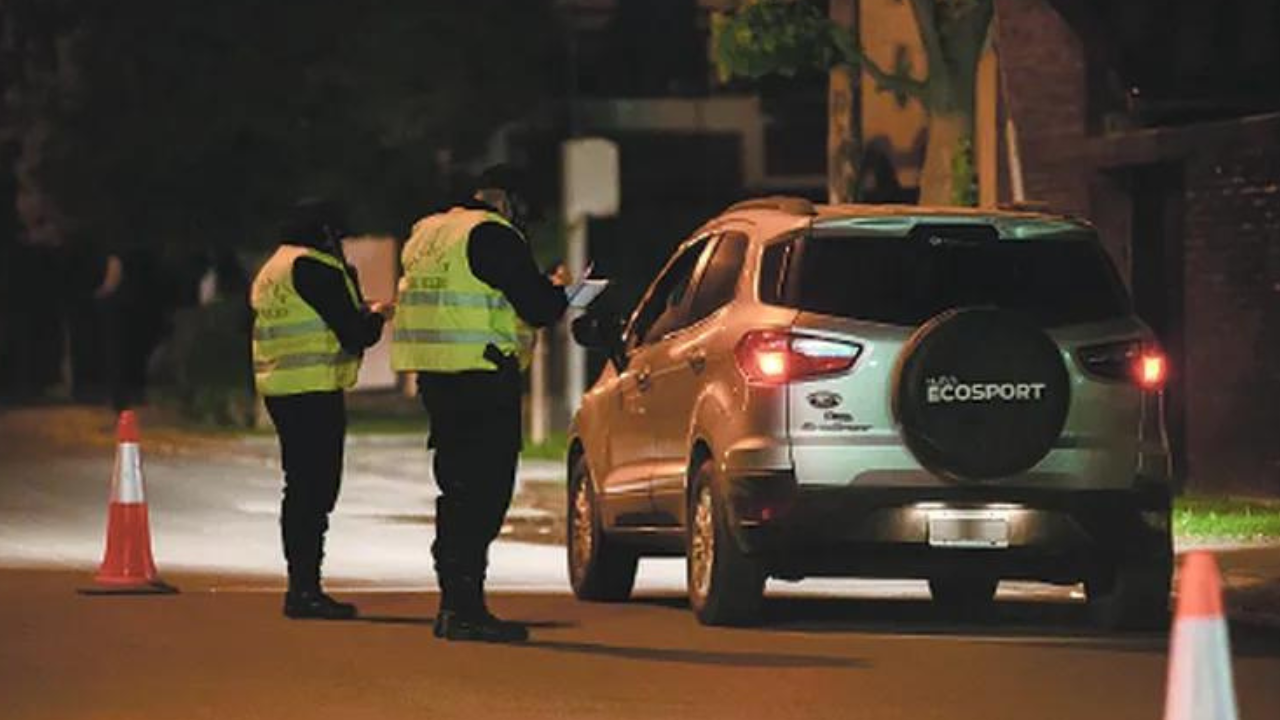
{"x":893,"y":82}
{"x":980,"y":25}
{"x":926,"y":14}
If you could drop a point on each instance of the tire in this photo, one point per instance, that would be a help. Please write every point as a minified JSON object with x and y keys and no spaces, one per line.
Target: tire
{"x":726,"y":587}
{"x":980,"y":394}
{"x":599,"y":570}
{"x":1132,"y":596}
{"x":966,"y":597}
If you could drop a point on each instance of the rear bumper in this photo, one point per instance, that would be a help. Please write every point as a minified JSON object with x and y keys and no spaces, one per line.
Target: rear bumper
{"x":1056,"y":536}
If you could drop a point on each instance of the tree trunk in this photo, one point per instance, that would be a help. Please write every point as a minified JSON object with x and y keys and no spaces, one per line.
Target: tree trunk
{"x":844,"y":116}
{"x":954,"y":35}
{"x":948,"y":174}
{"x":844,"y":136}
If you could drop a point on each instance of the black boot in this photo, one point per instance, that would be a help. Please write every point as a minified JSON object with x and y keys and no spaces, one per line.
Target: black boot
{"x":453,"y":625}
{"x":304,"y":551}
{"x":311,"y":603}
{"x":464,"y":616}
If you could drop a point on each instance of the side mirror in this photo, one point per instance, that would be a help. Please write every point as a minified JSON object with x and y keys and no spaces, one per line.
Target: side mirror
{"x":597,"y":331}
{"x":600,"y":331}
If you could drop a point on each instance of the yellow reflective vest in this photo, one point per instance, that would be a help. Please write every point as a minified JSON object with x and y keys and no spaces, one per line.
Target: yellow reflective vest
{"x":294,"y":350}
{"x":445,"y":315}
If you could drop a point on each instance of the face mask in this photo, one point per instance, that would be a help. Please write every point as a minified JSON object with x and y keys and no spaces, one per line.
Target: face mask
{"x":518,"y":210}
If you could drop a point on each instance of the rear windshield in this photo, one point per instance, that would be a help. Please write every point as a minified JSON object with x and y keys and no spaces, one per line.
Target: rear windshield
{"x":907,"y":281}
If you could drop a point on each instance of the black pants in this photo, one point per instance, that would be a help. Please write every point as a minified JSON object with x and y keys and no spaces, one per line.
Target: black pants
{"x":475,"y":431}
{"x":312,"y":428}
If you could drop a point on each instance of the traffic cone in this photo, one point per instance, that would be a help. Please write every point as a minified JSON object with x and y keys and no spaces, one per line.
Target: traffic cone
{"x":1200,"y":686}
{"x":127,"y":565}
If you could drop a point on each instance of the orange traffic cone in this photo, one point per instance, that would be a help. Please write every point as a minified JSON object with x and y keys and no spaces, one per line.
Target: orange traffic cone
{"x":127,"y":565}
{"x":1200,"y":686}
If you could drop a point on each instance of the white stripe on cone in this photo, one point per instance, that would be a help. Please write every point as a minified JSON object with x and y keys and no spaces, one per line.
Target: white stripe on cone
{"x":126,"y":483}
{"x":1200,"y":686}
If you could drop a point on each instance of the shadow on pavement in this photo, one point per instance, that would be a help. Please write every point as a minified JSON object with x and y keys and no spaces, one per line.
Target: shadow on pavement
{"x":430,"y":620}
{"x":396,"y":620}
{"x":923,"y":617}
{"x":1042,"y":621}
{"x":699,"y":657}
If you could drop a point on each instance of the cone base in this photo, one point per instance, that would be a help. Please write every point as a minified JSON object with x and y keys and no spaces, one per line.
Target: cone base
{"x":154,"y":587}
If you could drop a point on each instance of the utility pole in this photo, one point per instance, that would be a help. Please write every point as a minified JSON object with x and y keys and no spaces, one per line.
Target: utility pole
{"x":590,"y":189}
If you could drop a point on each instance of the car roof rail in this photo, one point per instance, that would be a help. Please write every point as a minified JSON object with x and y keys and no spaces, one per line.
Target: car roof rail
{"x":781,"y":203}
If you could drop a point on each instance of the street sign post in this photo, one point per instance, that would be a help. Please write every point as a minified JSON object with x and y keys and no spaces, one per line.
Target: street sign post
{"x":590,"y":188}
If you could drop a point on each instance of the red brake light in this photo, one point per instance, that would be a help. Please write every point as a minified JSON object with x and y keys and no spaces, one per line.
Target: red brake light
{"x":1151,"y":370}
{"x":776,"y":356}
{"x":1141,"y":363}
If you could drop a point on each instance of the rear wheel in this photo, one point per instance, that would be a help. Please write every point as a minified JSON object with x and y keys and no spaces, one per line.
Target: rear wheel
{"x":726,"y":587}
{"x":970,"y":597}
{"x":1134,"y":595}
{"x":599,"y":570}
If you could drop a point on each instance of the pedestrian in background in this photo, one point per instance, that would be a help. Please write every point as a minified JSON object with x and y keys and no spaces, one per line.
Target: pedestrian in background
{"x":470,"y":293}
{"x":311,"y":326}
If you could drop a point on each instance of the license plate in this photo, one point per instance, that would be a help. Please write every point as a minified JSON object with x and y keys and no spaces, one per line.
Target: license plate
{"x":968,"y":529}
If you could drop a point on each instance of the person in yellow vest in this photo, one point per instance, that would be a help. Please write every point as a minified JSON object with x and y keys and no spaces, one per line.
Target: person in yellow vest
{"x":467,"y":302}
{"x":311,"y":326}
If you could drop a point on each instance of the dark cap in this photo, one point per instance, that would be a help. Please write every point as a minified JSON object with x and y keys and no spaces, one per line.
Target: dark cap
{"x":307,"y":221}
{"x":504,"y":177}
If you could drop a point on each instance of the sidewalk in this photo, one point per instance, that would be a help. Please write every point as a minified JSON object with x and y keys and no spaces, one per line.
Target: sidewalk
{"x":387,"y":491}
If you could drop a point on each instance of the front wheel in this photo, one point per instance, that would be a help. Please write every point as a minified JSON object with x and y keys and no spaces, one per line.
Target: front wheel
{"x":599,"y":570}
{"x":726,"y":587}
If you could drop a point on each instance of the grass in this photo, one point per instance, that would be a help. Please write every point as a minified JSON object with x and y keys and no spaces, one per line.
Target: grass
{"x":1226,"y":518}
{"x":363,"y":422}
{"x":553,"y":448}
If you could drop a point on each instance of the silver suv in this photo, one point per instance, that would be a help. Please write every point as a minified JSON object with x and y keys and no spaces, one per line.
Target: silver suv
{"x":955,"y":395}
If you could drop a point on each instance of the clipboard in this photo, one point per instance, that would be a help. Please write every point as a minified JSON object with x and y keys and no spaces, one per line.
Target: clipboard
{"x":581,"y":293}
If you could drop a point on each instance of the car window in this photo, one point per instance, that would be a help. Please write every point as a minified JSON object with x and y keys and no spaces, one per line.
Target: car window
{"x":661,"y":311}
{"x":906,"y":282}
{"x":773,"y":270}
{"x":720,"y":278}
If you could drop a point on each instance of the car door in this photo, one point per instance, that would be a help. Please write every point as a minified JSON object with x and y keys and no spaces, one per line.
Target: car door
{"x":657,"y":315}
{"x":680,"y":370}
{"x":630,"y":436}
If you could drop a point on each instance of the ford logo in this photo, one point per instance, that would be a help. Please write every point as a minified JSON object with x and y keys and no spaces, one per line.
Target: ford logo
{"x":825,"y":399}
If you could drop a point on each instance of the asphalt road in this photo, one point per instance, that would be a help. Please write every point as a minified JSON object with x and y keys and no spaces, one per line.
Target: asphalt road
{"x":220,"y":648}
{"x":213,"y":654}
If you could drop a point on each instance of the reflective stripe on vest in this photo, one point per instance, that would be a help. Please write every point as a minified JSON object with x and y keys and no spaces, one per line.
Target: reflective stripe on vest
{"x":452,"y":337}
{"x":445,"y":315}
{"x":451,"y":299}
{"x":294,"y":351}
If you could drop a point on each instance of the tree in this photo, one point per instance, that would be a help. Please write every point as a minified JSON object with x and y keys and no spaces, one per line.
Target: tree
{"x":778,"y":37}
{"x":190,"y":122}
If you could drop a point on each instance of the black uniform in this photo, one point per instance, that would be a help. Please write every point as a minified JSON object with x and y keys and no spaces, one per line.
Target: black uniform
{"x":312,"y":426}
{"x":475,"y":422}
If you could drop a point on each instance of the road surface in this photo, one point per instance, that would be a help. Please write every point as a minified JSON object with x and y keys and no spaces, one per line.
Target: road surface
{"x":220,"y":649}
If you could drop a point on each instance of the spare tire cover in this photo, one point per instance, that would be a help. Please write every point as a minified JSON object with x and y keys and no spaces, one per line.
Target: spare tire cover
{"x":980,"y":394}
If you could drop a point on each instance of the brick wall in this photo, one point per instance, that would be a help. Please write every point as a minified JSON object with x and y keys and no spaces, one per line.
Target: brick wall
{"x":1233,"y":317}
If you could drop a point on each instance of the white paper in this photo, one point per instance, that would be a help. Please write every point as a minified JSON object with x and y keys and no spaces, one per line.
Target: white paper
{"x":581,"y":293}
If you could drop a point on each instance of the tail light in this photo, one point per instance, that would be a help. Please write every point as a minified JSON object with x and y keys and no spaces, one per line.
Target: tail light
{"x":774,"y":357}
{"x":1141,"y":363}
